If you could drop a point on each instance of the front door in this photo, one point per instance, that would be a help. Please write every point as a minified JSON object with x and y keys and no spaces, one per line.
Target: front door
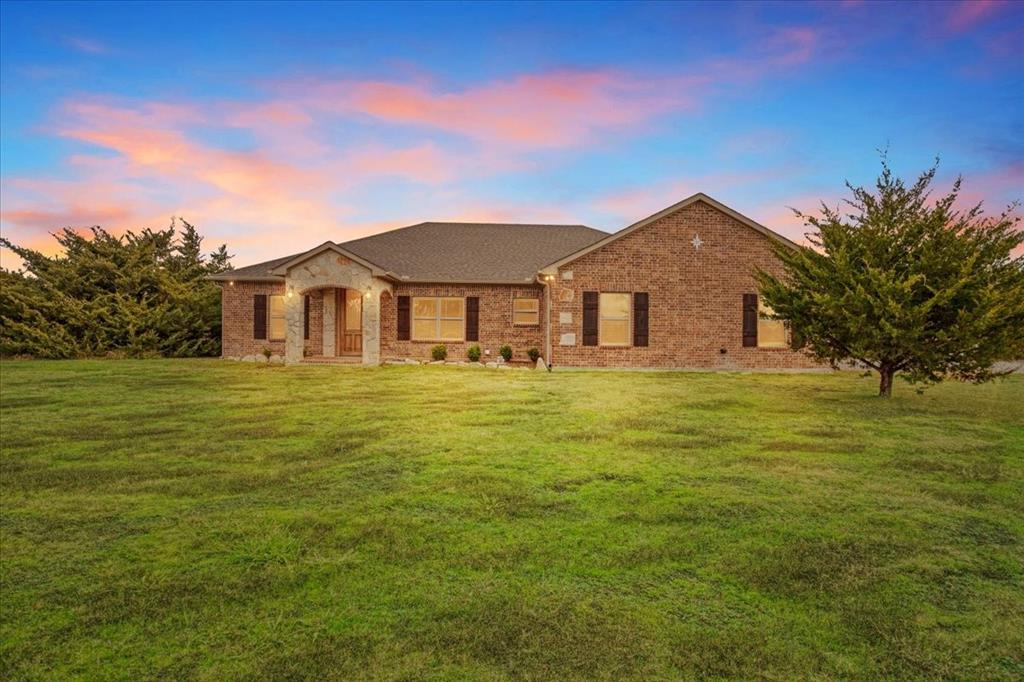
{"x":350,"y":322}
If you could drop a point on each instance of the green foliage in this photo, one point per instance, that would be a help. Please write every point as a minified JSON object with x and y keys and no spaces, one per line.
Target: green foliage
{"x":905,"y":284}
{"x":473,"y":353}
{"x":505,"y":352}
{"x":138,"y":295}
{"x":533,"y":354}
{"x":439,"y":352}
{"x":267,"y":352}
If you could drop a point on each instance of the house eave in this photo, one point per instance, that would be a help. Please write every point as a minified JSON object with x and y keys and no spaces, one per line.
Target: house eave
{"x":228,"y":277}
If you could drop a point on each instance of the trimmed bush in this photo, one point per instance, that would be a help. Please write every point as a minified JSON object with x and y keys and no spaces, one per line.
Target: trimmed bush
{"x":534,"y":354}
{"x":505,"y":352}
{"x":473,"y":353}
{"x":439,"y":352}
{"x":267,"y":352}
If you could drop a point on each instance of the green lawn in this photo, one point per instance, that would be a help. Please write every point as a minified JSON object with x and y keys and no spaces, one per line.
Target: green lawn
{"x":217,"y":520}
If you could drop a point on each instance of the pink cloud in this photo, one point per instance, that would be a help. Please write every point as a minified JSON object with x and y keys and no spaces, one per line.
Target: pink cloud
{"x":288,"y":182}
{"x":632,"y":204}
{"x":966,"y":14}
{"x":556,"y":109}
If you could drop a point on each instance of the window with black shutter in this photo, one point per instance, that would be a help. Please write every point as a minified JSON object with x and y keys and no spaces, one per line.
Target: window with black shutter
{"x":640,"y":318}
{"x":403,"y":318}
{"x":590,"y":305}
{"x":259,"y":316}
{"x":750,"y":320}
{"x":472,"y":318}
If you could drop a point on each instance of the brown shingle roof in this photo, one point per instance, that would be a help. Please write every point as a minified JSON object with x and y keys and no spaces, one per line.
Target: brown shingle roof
{"x":456,"y":252}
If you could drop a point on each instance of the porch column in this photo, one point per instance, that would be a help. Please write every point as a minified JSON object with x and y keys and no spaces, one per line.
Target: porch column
{"x":371,"y":324}
{"x":330,"y":343}
{"x":293,"y":317}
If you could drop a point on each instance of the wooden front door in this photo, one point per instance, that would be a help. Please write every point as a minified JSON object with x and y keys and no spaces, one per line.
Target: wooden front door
{"x":349,"y":304}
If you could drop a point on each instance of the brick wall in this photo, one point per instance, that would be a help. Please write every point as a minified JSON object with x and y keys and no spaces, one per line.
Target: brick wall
{"x":696,"y":295}
{"x":496,"y":328}
{"x":236,"y":317}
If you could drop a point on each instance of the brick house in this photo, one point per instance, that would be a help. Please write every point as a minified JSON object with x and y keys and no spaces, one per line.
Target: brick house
{"x":675,"y":289}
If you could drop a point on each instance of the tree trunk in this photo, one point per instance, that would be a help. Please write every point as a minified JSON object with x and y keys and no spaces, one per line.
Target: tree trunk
{"x":886,"y":373}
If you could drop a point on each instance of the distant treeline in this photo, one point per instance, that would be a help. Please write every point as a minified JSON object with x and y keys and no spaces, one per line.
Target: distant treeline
{"x":138,"y":295}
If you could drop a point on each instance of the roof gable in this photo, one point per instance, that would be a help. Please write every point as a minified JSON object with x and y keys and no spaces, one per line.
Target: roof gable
{"x":283,"y":268}
{"x":552,"y":268}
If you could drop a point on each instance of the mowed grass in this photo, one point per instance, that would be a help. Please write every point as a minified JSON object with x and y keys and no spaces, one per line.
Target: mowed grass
{"x":212,"y":520}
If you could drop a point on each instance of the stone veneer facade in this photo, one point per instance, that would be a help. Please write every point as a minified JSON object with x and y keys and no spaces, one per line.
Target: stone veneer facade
{"x":695,"y":309}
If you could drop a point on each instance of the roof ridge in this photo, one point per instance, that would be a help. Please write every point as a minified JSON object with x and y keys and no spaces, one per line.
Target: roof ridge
{"x":474,"y":222}
{"x":457,"y":222}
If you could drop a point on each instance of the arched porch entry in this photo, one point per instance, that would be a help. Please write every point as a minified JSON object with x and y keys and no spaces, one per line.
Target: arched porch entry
{"x":351,"y":303}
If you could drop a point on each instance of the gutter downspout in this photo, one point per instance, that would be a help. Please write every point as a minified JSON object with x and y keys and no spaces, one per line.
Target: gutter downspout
{"x":547,"y":319}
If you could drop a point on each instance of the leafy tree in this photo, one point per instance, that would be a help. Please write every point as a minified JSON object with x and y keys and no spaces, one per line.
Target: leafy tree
{"x":905,"y":284}
{"x":139,"y":294}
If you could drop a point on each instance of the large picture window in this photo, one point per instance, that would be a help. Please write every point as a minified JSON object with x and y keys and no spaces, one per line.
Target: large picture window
{"x":613,"y":328}
{"x":275,"y":315}
{"x":438,"y":318}
{"x":526,"y":311}
{"x":770,"y":333}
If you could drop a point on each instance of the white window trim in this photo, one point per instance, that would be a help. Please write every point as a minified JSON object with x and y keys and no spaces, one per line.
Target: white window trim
{"x":629,"y":321}
{"x":536,"y":312}
{"x":437,"y":320}
{"x":775,"y":344}
{"x":270,"y":318}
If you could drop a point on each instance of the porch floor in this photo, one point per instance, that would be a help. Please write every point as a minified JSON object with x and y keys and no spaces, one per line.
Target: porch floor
{"x":337,"y":360}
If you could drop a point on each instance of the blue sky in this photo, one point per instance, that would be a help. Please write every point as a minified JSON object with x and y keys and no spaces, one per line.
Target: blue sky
{"x":274,"y":127}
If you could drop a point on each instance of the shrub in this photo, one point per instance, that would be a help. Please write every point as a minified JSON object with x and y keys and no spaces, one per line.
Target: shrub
{"x":473,"y":353}
{"x":142,"y":294}
{"x":439,"y":352}
{"x":505,"y":352}
{"x":267,"y":352}
{"x":534,"y":354}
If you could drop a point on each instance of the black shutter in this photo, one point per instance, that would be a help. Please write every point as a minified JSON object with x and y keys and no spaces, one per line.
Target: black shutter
{"x":640,"y":318}
{"x":472,"y":318}
{"x":750,"y":320}
{"x":403,"y":318}
{"x":305,"y":317}
{"x":259,"y":316}
{"x":590,"y":299}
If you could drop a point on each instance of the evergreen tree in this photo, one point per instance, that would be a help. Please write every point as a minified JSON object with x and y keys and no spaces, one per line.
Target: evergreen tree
{"x":905,"y":284}
{"x":139,"y":294}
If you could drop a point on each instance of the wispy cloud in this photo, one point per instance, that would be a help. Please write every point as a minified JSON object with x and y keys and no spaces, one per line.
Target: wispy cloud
{"x":87,"y":45}
{"x":967,"y":14}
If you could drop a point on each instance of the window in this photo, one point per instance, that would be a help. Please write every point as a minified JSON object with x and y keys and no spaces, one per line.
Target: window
{"x":613,"y":329}
{"x":770,"y":333}
{"x":525,"y":311}
{"x":276,"y":304}
{"x":438,"y":319}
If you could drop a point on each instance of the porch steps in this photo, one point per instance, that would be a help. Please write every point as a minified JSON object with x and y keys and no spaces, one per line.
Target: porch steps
{"x":325,"y":360}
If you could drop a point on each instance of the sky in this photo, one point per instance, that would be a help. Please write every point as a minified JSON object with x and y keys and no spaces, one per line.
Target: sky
{"x":276,"y":127}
